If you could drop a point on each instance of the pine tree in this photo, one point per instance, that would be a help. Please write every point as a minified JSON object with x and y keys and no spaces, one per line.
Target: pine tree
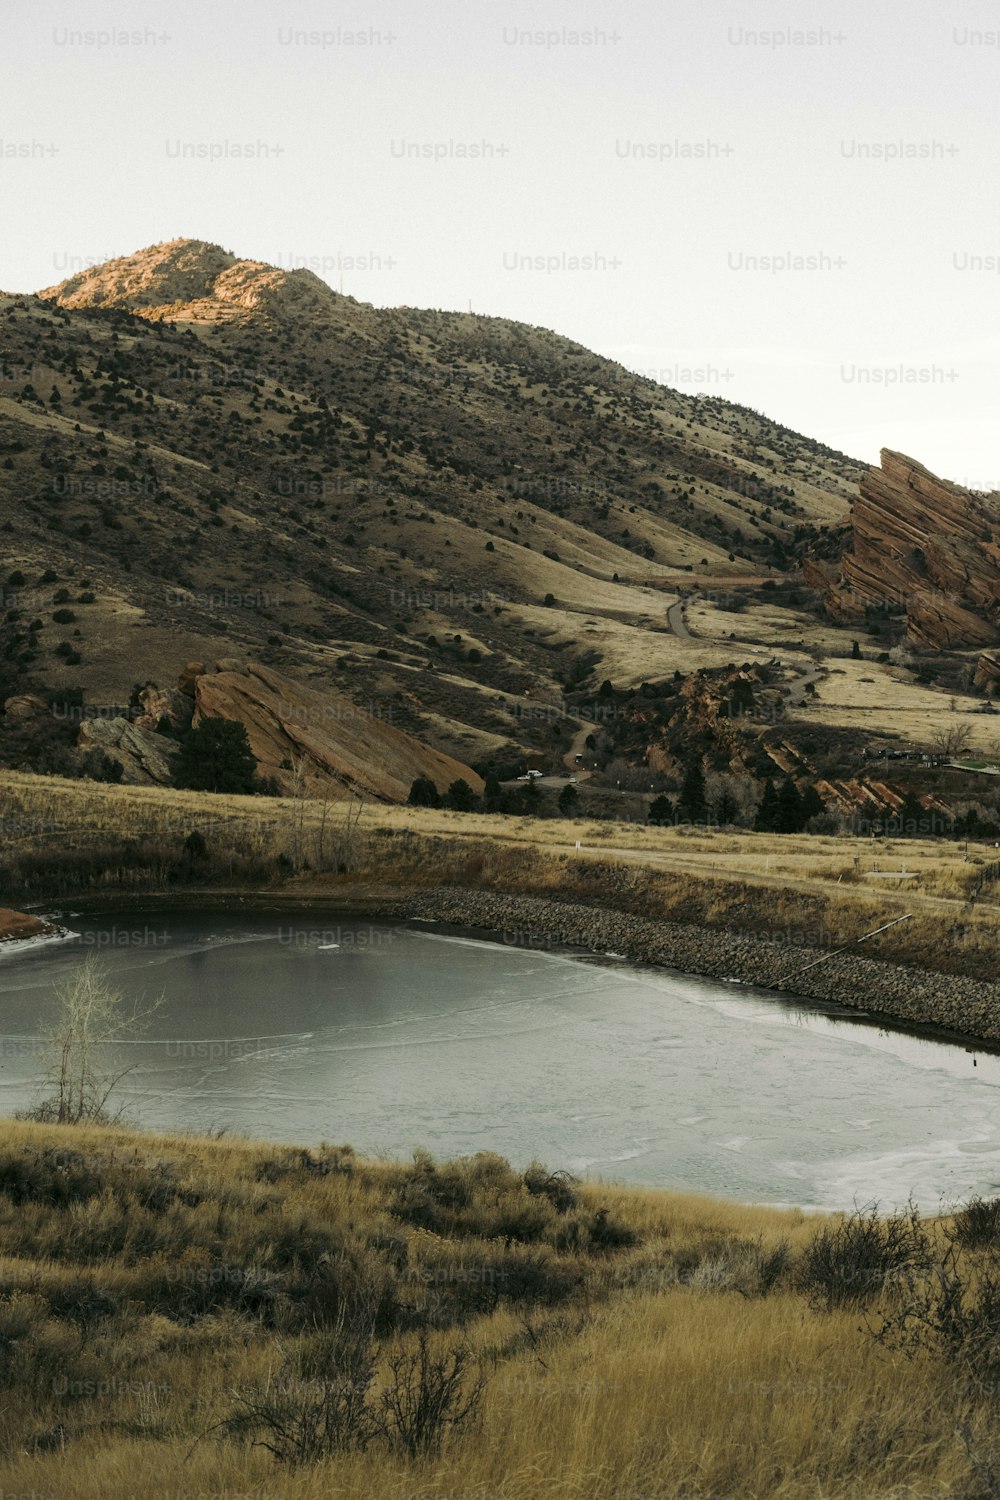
{"x":911,"y":815}
{"x":790,"y":819}
{"x":726,"y":807}
{"x":423,"y":793}
{"x":662,"y":810}
{"x":568,"y":799}
{"x":492,"y":794}
{"x":691,"y":805}
{"x":812,"y":804}
{"x":460,"y":797}
{"x":766,"y":820}
{"x":216,"y":757}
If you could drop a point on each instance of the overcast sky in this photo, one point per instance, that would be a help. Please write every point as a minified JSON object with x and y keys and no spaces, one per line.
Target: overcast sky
{"x":790,"y":205}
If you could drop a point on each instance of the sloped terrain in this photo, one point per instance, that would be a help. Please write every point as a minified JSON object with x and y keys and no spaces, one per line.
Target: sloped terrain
{"x":455,"y":523}
{"x":376,"y":500}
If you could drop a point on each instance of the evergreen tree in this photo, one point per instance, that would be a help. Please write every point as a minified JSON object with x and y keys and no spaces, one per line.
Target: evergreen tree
{"x":493,"y":794}
{"x":766,"y":820}
{"x":460,"y":797}
{"x":662,"y":810}
{"x":911,"y":816}
{"x":216,"y":757}
{"x":812,"y":804}
{"x":423,"y":793}
{"x":691,"y":805}
{"x":790,"y":819}
{"x":726,"y":808}
{"x":568,"y":799}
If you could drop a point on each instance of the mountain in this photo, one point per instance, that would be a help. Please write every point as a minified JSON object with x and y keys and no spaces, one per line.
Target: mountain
{"x":460,"y":524}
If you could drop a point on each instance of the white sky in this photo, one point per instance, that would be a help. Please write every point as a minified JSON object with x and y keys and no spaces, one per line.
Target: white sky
{"x":897,"y":345}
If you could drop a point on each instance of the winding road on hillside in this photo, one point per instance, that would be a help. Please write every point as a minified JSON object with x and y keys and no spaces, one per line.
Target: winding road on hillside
{"x":799,"y":685}
{"x":675,"y":617}
{"x":578,"y":747}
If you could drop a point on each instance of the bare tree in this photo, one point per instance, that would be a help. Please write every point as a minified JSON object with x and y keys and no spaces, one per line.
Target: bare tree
{"x":342,"y":841}
{"x":93,"y":1016}
{"x":951,"y":741}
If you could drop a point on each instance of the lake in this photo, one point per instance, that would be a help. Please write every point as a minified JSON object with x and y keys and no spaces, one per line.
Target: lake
{"x":307,"y":1027}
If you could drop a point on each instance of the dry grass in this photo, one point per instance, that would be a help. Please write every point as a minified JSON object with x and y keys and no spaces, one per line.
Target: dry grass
{"x":661,"y":1366}
{"x":739,"y":881}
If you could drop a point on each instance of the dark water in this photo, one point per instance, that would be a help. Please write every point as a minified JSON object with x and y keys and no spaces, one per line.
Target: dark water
{"x":309,"y":1028}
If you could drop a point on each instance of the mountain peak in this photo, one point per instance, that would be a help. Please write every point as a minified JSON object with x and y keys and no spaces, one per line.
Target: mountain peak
{"x":187,"y":280}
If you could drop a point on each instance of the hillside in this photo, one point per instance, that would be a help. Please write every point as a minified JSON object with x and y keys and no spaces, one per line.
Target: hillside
{"x":461,"y":525}
{"x":221,"y":451}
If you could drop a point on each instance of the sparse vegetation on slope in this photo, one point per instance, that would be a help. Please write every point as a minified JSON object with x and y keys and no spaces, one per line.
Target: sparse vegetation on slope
{"x":205,"y":1316}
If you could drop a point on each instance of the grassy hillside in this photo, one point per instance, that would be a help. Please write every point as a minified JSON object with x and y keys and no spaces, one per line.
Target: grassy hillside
{"x":168,"y":1303}
{"x":437,"y":515}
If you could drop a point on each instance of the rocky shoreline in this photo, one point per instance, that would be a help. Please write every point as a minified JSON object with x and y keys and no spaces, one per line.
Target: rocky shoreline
{"x":908,"y":996}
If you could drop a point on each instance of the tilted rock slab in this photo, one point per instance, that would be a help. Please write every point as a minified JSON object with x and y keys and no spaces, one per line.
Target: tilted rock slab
{"x":926,"y":545}
{"x":320,"y":743}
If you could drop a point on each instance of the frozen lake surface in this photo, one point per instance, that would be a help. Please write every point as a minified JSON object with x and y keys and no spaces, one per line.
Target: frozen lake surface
{"x":306,"y":1027}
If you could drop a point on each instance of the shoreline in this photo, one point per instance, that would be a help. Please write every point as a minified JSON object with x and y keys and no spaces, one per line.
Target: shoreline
{"x":958,"y":1010}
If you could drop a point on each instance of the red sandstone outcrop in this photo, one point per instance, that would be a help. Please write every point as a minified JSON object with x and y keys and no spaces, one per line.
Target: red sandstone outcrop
{"x":176,"y":705}
{"x":319,"y":741}
{"x":987,"y":674}
{"x":873,"y":797}
{"x":926,"y":546}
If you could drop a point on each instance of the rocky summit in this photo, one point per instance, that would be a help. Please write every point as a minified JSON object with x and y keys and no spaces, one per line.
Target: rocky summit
{"x":189,"y":281}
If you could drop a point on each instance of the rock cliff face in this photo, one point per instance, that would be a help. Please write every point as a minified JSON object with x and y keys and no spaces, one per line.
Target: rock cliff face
{"x":988,"y":672}
{"x":926,"y":547}
{"x":145,"y":758}
{"x":312,"y":742}
{"x":320,"y":742}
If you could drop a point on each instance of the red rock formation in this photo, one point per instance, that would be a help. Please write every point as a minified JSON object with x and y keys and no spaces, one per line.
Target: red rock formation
{"x":926,"y":547}
{"x":321,"y":742}
{"x":873,"y":797}
{"x":987,"y":675}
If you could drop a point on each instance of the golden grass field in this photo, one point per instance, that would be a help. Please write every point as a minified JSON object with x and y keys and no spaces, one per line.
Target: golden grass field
{"x":152,"y":1286}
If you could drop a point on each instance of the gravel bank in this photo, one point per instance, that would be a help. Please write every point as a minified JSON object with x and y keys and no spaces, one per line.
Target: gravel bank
{"x":910,"y":996}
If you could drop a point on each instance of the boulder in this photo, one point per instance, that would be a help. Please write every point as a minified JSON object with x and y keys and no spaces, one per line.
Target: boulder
{"x":24,"y":707}
{"x":189,"y":676}
{"x":145,"y":758}
{"x":164,"y":703}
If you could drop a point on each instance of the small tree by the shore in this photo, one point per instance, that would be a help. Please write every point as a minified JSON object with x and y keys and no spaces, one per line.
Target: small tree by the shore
{"x":93,"y":1016}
